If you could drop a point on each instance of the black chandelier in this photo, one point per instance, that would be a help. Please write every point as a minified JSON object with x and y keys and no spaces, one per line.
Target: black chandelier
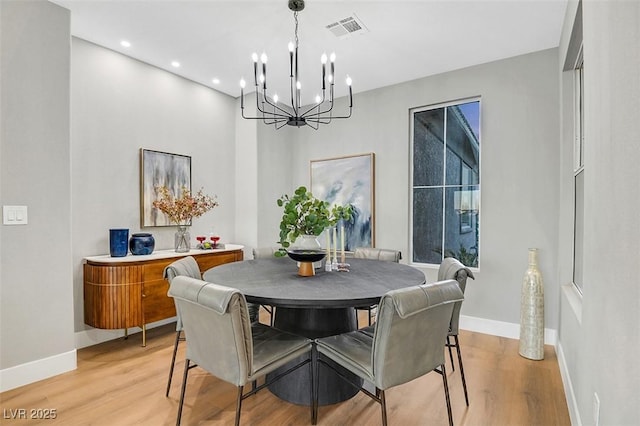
{"x":295,"y":114}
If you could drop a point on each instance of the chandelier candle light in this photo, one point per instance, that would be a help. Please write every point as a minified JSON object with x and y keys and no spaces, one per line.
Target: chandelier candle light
{"x":295,"y":114}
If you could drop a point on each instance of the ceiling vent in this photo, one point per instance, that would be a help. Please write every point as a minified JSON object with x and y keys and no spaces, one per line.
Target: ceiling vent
{"x":347,"y":26}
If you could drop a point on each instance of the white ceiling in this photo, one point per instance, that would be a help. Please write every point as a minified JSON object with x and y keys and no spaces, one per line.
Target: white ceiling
{"x":405,"y":39}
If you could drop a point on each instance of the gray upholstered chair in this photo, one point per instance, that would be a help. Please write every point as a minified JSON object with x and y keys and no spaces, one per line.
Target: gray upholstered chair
{"x":266,"y":253}
{"x":452,"y":269}
{"x":226,"y":344}
{"x":375,"y":254}
{"x":188,"y":267}
{"x":406,"y":343}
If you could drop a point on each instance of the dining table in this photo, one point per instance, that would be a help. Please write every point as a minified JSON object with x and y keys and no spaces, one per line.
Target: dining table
{"x":316,"y":306}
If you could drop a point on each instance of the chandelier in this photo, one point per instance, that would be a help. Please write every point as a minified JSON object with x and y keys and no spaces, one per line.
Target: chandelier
{"x":295,"y":114}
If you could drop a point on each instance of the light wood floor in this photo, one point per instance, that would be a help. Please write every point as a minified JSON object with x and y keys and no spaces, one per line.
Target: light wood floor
{"x":121,"y":383}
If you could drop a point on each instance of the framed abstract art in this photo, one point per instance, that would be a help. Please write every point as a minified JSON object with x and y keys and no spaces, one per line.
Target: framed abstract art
{"x":161,"y":169}
{"x":349,"y":180}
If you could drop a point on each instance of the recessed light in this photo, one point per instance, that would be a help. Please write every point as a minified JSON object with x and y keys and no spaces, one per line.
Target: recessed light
{"x":216,"y":81}
{"x":125,"y":43}
{"x":175,"y":64}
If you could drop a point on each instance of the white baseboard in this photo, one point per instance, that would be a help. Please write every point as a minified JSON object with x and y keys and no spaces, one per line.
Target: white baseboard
{"x":93,"y":336}
{"x":502,"y":329}
{"x":23,"y":374}
{"x":570,"y":395}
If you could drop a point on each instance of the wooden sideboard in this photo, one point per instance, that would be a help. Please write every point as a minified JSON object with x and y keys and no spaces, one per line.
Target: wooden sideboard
{"x":123,"y":292}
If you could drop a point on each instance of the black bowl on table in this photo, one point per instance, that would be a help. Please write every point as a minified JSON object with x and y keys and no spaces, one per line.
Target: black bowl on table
{"x":305,"y":255}
{"x":306,"y":259}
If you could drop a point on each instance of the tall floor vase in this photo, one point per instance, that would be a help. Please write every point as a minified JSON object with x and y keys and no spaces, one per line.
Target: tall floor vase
{"x":532,"y":311}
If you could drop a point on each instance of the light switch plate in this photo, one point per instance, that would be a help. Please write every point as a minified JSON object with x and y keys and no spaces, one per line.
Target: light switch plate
{"x":14,"y":215}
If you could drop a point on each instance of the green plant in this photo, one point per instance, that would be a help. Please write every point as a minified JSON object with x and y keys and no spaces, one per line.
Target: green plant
{"x":304,"y":214}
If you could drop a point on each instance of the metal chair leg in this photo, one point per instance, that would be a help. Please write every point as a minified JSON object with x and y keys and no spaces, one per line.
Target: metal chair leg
{"x":453,"y":368}
{"x":383,"y":405}
{"x":446,"y":394}
{"x":313,"y":395}
{"x":369,"y":314}
{"x":315,"y":382}
{"x":464,"y":382}
{"x":184,"y":387}
{"x":239,"y":405}
{"x":173,"y":361}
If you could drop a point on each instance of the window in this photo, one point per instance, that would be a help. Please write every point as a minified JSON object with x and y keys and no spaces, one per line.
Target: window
{"x":445,"y":181}
{"x":578,"y":175}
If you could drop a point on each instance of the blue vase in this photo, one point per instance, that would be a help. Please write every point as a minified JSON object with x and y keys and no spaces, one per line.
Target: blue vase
{"x":141,"y":243}
{"x":118,"y":242}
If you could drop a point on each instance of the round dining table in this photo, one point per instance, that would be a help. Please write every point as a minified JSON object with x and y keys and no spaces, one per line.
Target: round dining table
{"x":316,"y":306}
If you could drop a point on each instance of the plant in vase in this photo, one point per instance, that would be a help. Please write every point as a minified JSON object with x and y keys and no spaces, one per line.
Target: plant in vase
{"x":305,"y":215}
{"x":181,"y":210}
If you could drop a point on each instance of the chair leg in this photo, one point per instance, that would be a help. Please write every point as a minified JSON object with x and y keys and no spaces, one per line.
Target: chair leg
{"x":173,"y":361}
{"x":464,"y":382}
{"x":315,"y":384}
{"x":239,"y":405}
{"x":369,"y":314}
{"x":314,"y":397}
{"x":453,"y":368}
{"x":446,"y":394}
{"x":383,"y":405}
{"x":184,"y":387}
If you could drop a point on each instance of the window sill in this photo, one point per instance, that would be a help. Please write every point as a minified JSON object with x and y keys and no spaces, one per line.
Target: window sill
{"x":575,"y":300}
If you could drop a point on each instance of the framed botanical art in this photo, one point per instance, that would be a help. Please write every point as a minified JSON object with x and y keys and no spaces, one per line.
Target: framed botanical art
{"x":159,"y":169}
{"x":349,"y":180}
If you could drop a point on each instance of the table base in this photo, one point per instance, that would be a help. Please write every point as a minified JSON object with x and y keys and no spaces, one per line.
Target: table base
{"x":314,"y":323}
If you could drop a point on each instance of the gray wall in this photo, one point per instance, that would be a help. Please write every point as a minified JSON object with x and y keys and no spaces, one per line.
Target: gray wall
{"x":275,"y":179}
{"x":246,"y":181}
{"x":520,"y":135}
{"x":263,"y":174}
{"x":36,"y":297}
{"x":119,"y":106}
{"x":599,"y":336}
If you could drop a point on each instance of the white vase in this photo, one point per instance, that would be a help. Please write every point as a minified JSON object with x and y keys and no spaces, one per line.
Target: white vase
{"x":307,"y":242}
{"x":532,"y":311}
